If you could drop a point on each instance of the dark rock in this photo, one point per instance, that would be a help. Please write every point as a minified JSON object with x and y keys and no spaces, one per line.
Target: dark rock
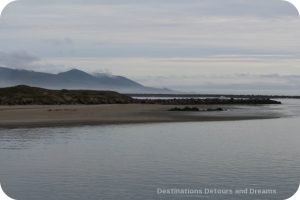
{"x":190,"y":109}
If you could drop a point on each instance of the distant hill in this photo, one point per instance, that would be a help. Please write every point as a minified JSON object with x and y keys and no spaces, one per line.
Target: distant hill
{"x":25,"y":95}
{"x":74,"y":79}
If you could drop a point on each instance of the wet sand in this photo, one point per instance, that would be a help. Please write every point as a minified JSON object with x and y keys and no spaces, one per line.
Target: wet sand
{"x":78,"y":115}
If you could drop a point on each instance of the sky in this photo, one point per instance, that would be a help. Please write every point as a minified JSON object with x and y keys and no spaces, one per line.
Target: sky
{"x":191,"y":45}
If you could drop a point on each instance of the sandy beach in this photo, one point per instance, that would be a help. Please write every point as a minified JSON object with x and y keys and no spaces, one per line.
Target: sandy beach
{"x":77,"y":115}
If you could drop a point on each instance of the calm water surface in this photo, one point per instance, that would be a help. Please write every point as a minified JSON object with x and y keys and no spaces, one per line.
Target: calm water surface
{"x":135,"y":161}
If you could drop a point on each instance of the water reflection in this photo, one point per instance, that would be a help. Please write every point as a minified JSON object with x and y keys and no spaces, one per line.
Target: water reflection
{"x":132,"y":161}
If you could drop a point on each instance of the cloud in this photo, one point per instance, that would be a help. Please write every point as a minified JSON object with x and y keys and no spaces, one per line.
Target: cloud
{"x":25,"y":60}
{"x":133,"y":28}
{"x":159,"y":38}
{"x":203,"y":7}
{"x":235,"y":83}
{"x":60,"y":41}
{"x":19,"y":59}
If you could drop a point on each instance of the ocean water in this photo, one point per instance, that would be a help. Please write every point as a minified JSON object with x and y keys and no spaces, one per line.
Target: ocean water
{"x":203,"y":160}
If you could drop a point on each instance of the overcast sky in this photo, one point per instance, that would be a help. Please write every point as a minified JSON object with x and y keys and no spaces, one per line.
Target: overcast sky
{"x":179,"y":44}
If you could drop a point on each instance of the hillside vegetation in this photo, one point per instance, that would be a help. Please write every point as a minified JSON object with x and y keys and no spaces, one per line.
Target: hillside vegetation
{"x":25,"y":95}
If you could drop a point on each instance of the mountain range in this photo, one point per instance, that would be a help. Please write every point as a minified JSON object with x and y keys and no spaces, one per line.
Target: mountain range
{"x":74,"y":79}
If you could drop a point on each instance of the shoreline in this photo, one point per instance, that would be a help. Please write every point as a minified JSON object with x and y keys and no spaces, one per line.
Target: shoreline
{"x":109,"y":114}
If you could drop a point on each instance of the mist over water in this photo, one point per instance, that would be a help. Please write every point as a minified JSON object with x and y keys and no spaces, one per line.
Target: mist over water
{"x":134,"y":161}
